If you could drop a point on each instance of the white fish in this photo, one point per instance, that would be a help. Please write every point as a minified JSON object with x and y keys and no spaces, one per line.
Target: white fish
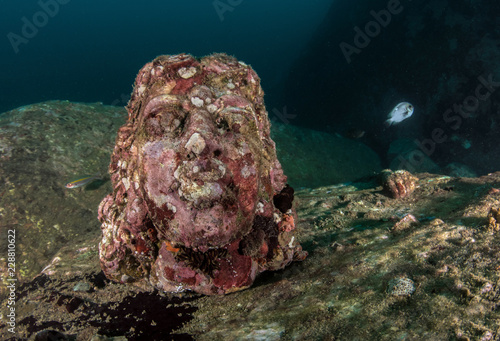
{"x":400,"y":112}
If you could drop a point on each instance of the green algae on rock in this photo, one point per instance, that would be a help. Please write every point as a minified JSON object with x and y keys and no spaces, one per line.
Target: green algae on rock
{"x":41,"y":147}
{"x":339,"y":291}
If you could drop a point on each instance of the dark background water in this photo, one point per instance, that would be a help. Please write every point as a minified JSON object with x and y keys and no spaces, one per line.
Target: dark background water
{"x":91,"y":50}
{"x":441,"y":55}
{"x":432,"y":53}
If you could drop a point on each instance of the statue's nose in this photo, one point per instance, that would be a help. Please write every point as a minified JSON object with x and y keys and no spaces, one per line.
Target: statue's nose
{"x":196,"y":144}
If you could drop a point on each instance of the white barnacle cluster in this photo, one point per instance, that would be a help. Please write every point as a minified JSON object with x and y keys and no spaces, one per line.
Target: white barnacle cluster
{"x":197,"y":102}
{"x":141,"y":89}
{"x":211,"y":108}
{"x":194,"y":191}
{"x":196,"y":144}
{"x":201,"y":96}
{"x":187,"y":73}
{"x":401,"y":286}
{"x":191,"y":191}
{"x":110,"y":234}
{"x":157,"y":71}
{"x":247,"y":171}
{"x":126,"y":183}
{"x":171,"y":207}
{"x":122,"y":164}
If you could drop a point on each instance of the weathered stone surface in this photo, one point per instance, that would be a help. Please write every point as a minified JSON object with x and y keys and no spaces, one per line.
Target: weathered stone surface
{"x":398,"y":184}
{"x":342,"y":288}
{"x":42,"y":147}
{"x":194,"y":174}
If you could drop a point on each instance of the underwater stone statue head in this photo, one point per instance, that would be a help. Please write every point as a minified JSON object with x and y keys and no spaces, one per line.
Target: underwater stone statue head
{"x":200,"y":201}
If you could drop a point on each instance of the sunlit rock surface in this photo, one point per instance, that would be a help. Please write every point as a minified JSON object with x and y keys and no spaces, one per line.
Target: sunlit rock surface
{"x":440,"y":241}
{"x":424,"y":266}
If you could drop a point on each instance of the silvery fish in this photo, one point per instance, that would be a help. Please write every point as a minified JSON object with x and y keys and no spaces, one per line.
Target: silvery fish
{"x":82,"y":181}
{"x":400,"y":112}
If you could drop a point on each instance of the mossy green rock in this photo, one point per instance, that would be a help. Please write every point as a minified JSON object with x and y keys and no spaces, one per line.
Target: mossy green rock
{"x":312,"y":158}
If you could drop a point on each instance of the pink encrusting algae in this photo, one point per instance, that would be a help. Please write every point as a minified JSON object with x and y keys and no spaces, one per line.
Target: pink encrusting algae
{"x":200,"y":201}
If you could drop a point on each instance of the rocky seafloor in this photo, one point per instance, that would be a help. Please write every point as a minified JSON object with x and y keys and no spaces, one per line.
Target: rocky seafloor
{"x":424,"y":267}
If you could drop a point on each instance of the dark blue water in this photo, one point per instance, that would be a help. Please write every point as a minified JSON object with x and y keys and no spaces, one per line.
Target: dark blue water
{"x":334,"y":65}
{"x":91,"y":50}
{"x":442,"y":56}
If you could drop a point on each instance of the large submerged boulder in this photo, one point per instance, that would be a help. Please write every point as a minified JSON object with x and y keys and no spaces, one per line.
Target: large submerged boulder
{"x":199,"y":201}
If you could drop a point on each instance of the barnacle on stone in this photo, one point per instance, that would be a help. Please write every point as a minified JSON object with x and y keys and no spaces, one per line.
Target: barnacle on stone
{"x":401,"y":286}
{"x":398,"y":184}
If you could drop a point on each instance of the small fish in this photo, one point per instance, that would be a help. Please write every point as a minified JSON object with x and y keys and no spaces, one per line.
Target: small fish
{"x":400,"y":112}
{"x":82,"y":181}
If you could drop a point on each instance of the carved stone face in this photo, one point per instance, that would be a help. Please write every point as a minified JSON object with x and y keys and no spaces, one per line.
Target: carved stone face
{"x":192,"y":169}
{"x":204,"y":169}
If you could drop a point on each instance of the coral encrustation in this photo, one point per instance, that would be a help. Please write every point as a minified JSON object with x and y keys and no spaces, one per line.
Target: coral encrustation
{"x":200,"y":201}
